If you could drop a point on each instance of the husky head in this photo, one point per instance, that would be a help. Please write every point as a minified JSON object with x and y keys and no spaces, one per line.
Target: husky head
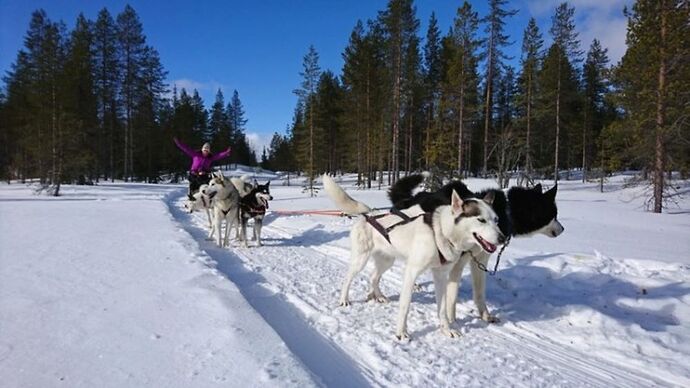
{"x":473,"y":223}
{"x":534,"y":212}
{"x":218,"y":183}
{"x":263,"y":193}
{"x":201,"y":201}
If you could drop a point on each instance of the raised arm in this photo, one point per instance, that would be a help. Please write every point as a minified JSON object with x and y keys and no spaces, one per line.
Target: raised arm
{"x":221,"y":155}
{"x":184,"y":148}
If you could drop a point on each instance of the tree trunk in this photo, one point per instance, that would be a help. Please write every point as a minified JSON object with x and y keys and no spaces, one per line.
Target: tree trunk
{"x":660,"y":150}
{"x":558,"y":122}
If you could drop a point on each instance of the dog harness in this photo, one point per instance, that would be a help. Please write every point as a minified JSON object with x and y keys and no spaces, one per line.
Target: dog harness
{"x":385,"y":232}
{"x":253,"y":210}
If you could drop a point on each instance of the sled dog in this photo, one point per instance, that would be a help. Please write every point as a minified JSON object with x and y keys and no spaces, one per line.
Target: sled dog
{"x":202,"y":201}
{"x":432,"y":241}
{"x":225,"y":206}
{"x":253,"y":206}
{"x":521,"y":212}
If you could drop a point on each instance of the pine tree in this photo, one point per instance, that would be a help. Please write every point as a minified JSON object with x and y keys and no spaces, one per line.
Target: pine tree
{"x":495,"y":40}
{"x":532,"y":43}
{"x":148,"y":112}
{"x":107,"y":81}
{"x":77,"y":150}
{"x":595,"y":87}
{"x":463,"y":77}
{"x":653,"y":81}
{"x":432,"y":73}
{"x":131,"y":43}
{"x":400,"y":26}
{"x":307,"y":97}
{"x":329,"y":119}
{"x":218,"y":125}
{"x":564,"y":36}
{"x":242,"y":152}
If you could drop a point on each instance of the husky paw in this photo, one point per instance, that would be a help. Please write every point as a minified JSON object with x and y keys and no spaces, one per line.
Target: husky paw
{"x":403,"y":336}
{"x":489,"y":318}
{"x":378,"y":298}
{"x":344,"y":303}
{"x":416,"y":288}
{"x":448,"y":332}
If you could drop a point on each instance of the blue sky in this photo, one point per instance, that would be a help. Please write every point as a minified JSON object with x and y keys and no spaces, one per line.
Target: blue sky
{"x":256,"y":46}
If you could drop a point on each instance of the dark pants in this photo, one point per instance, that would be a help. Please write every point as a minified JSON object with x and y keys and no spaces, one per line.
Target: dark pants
{"x":196,"y":180}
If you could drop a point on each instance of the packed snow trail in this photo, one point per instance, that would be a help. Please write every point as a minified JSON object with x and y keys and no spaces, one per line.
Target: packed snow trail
{"x":544,"y":339}
{"x":330,"y":365}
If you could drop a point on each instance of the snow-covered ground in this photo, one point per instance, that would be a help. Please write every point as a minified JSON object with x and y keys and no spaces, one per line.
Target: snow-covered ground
{"x":115,"y":285}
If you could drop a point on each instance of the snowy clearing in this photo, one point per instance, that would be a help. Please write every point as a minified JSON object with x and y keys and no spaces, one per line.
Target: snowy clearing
{"x":115,"y":285}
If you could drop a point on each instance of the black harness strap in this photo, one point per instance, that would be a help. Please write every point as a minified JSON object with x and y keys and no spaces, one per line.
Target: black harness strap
{"x":373,"y":221}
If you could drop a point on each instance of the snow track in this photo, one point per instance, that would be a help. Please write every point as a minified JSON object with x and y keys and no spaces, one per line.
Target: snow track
{"x":329,"y":364}
{"x":294,"y":282}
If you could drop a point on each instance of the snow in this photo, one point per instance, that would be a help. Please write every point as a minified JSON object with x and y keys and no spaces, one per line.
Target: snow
{"x":115,"y":285}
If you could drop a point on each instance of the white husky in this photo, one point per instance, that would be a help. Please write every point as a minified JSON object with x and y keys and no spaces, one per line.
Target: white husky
{"x":202,"y":201}
{"x":225,"y":206}
{"x":429,"y":241}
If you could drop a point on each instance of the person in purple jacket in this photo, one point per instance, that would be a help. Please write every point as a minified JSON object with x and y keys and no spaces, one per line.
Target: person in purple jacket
{"x":202,"y":162}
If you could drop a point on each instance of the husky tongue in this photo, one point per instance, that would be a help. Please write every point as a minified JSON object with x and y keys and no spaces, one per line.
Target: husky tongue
{"x":489,"y":247}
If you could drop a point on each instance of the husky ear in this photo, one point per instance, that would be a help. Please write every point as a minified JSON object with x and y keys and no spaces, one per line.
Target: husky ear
{"x":456,"y":203}
{"x":551,"y":193}
{"x":268,"y":183}
{"x":489,"y":197}
{"x":537,"y":188}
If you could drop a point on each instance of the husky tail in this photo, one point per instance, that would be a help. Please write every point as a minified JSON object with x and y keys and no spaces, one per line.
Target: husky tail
{"x":345,"y":203}
{"x":400,"y":193}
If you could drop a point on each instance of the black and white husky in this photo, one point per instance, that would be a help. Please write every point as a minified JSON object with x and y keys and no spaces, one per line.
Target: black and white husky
{"x":521,"y":213}
{"x":253,"y":206}
{"x":434,"y":241}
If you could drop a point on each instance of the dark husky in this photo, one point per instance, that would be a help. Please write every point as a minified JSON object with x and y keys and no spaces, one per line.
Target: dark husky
{"x":522,"y":212}
{"x":254,"y":206}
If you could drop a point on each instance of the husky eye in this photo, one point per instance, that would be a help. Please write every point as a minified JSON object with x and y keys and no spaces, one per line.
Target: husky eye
{"x":483,"y":221}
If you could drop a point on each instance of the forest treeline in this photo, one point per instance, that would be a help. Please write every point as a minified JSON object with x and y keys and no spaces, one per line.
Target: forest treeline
{"x":92,"y":103}
{"x":455,"y":104}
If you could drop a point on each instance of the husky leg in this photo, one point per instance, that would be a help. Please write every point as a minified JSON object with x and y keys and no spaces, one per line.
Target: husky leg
{"x":411,"y":273}
{"x":229,"y":223}
{"x":441,"y":286}
{"x":479,"y":289}
{"x":243,"y":232}
{"x":357,"y":262}
{"x":218,"y":222}
{"x":452,"y":288}
{"x":258,"y":223}
{"x":208,"y":215}
{"x":381,"y":264}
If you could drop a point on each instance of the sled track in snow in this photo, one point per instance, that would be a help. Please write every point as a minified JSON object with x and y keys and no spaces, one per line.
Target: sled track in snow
{"x":329,"y":365}
{"x":578,"y":368}
{"x":303,"y":312}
